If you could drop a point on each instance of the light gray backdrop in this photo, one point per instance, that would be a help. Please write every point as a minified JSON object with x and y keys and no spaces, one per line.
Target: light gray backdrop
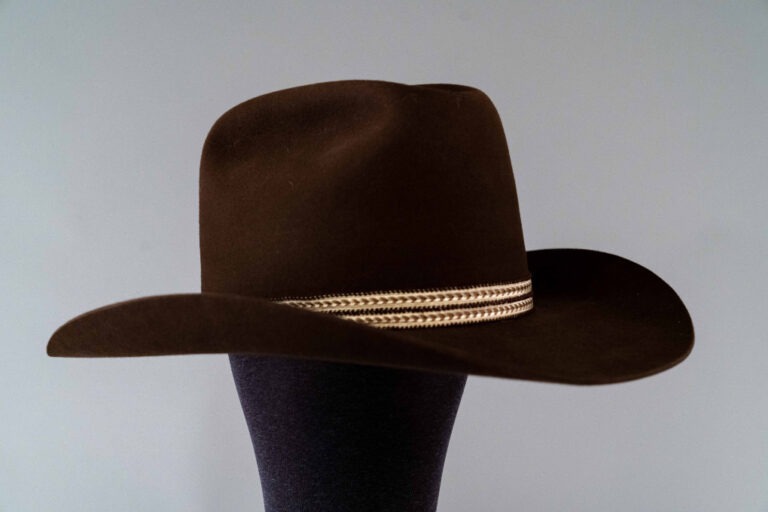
{"x":639,"y":128}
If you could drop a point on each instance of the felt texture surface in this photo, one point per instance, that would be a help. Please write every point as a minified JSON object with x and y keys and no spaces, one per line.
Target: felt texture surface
{"x":598,"y":319}
{"x":343,"y":437}
{"x":363,"y":186}
{"x":358,"y":186}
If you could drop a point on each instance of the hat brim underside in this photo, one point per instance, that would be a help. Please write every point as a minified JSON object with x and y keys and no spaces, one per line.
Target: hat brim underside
{"x":597,"y":319}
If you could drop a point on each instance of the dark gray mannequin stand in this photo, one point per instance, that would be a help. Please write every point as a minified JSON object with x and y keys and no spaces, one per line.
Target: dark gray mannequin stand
{"x":341,"y":437}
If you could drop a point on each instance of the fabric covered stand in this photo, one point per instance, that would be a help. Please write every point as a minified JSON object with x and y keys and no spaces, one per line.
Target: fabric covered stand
{"x":343,"y":437}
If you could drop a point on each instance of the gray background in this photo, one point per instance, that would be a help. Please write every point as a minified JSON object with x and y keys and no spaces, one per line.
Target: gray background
{"x":634,"y":128}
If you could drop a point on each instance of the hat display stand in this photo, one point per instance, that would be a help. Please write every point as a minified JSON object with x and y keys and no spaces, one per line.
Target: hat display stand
{"x":341,"y":437}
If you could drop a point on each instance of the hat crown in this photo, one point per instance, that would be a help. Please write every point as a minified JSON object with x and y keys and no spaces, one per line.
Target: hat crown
{"x":356,"y":186}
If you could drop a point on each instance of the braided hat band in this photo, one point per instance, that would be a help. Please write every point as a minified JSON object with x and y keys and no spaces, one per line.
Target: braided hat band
{"x":425,"y":308}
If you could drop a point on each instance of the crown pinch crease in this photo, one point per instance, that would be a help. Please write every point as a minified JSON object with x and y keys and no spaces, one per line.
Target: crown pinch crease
{"x":425,"y":308}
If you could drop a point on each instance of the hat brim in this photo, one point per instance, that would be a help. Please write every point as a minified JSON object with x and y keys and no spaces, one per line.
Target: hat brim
{"x":597,"y":319}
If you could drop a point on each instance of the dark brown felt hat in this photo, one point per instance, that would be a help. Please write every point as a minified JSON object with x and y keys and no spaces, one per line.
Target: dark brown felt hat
{"x":377,"y":223}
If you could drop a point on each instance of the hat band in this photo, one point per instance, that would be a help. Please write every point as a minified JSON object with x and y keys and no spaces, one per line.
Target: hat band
{"x":425,"y":308}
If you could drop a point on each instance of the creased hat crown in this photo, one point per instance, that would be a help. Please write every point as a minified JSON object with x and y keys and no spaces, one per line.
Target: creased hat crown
{"x":356,"y":186}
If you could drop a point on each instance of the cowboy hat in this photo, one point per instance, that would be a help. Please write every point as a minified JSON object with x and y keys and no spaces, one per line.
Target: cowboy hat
{"x":377,"y":223}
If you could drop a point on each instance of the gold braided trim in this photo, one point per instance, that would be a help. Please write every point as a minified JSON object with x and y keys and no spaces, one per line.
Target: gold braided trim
{"x":416,"y":299}
{"x":469,"y":315}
